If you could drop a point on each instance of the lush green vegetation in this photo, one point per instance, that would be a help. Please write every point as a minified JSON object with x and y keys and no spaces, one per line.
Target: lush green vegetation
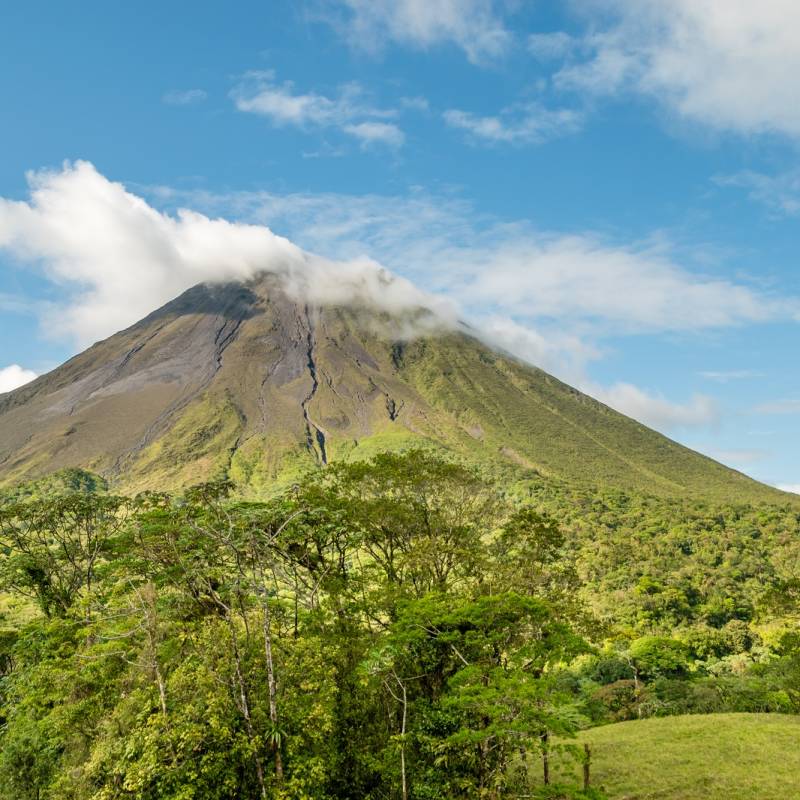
{"x":382,"y":630}
{"x":399,"y":628}
{"x":719,"y":757}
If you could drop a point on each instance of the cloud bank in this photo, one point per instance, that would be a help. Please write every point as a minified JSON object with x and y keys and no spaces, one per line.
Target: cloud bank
{"x":14,"y":376}
{"x":726,"y":64}
{"x":576,"y":280}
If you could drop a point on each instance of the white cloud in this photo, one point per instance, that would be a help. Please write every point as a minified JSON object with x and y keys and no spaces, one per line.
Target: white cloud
{"x":416,"y":103}
{"x":568,"y":356}
{"x":561,"y":353}
{"x":185,"y":98}
{"x":737,"y":458}
{"x":117,"y":258}
{"x":794,"y":488}
{"x":575,"y":280}
{"x":727,"y":64}
{"x":630,"y":287}
{"x":376,"y":133}
{"x":527,"y":124}
{"x":259,"y":94}
{"x":475,"y":26}
{"x":13,"y":377}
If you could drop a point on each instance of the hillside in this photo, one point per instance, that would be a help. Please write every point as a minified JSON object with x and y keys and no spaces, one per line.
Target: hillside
{"x":710,"y":757}
{"x":239,"y":381}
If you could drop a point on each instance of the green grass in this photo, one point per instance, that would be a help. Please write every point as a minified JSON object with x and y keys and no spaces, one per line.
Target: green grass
{"x":704,"y":757}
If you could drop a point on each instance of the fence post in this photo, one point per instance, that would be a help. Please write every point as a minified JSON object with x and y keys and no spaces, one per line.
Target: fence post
{"x":545,"y":737}
{"x":587,"y":760}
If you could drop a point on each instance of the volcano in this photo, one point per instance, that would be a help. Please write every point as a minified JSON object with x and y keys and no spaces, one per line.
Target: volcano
{"x":243,"y":381}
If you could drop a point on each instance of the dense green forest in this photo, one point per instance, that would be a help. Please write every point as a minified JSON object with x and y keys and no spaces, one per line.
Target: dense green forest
{"x":398,"y":628}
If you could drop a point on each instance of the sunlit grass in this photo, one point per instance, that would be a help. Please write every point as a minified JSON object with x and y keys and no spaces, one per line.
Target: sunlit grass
{"x":709,"y":757}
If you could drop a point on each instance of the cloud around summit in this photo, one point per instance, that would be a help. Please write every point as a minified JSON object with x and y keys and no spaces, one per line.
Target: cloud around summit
{"x":116,"y":258}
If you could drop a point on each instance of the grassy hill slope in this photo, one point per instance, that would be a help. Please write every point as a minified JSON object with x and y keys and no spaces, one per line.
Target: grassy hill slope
{"x":709,"y":757}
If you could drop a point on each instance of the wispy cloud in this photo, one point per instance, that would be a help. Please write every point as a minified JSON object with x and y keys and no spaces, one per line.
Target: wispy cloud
{"x":521,"y":124}
{"x":186,"y":97}
{"x":780,"y":193}
{"x":416,"y":103}
{"x":794,"y":488}
{"x":552,"y":46}
{"x":14,"y":376}
{"x":474,"y":26}
{"x":17,"y":304}
{"x":725,"y":376}
{"x":791,"y":406}
{"x":259,"y":93}
{"x":736,"y":458}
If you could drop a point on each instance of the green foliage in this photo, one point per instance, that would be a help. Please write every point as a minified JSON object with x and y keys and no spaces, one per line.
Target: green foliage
{"x":659,"y":656}
{"x":347,"y":639}
{"x":56,"y":484}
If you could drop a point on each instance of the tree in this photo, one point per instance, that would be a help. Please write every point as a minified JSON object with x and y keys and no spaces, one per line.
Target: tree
{"x":53,"y":547}
{"x":420,"y":517}
{"x":484,"y":670}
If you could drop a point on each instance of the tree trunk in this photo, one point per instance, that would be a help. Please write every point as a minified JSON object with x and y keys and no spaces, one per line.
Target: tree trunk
{"x":272,"y":688}
{"x":244,"y":705}
{"x":403,"y":743}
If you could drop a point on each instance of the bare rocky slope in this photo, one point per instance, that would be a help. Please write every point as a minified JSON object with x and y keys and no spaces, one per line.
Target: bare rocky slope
{"x":239,"y":380}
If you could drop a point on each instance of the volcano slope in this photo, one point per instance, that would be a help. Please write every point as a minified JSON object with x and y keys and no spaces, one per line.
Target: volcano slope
{"x":240,"y":381}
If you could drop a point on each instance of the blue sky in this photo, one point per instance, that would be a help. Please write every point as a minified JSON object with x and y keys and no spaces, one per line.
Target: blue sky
{"x":609,"y":188}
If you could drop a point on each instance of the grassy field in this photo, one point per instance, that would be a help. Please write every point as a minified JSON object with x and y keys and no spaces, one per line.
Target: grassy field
{"x":713,"y":757}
